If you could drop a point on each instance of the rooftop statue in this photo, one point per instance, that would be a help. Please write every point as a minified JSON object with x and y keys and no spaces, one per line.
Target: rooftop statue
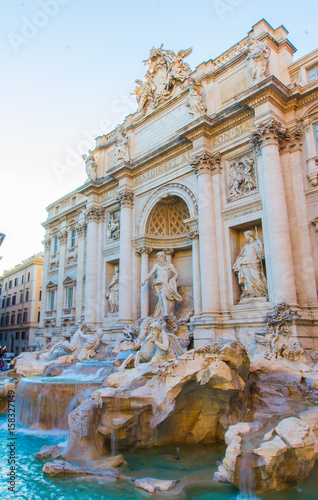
{"x":258,"y":55}
{"x":90,"y":165}
{"x":121,"y":151}
{"x":166,"y":72}
{"x":164,"y":286}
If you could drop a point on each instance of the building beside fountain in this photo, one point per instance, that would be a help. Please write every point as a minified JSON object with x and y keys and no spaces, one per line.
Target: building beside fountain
{"x":218,"y":168}
{"x":20,"y":303}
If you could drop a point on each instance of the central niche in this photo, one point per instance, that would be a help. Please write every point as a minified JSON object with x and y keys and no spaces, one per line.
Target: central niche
{"x":167,"y":216}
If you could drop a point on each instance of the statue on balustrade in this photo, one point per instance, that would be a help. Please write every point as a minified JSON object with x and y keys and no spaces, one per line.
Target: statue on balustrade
{"x":121,"y":151}
{"x":194,"y":102}
{"x":249,"y":268}
{"x":258,"y":55}
{"x":113,"y":292}
{"x":90,"y":165}
{"x":164,"y":286}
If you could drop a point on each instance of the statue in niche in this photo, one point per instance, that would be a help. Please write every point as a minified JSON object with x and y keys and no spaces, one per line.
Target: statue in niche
{"x":194,"y":103}
{"x":164,"y":286}
{"x":90,"y":165}
{"x":242,"y":178}
{"x":249,"y":268}
{"x":121,"y":152}
{"x":258,"y":55}
{"x":113,"y":292}
{"x":113,"y":227}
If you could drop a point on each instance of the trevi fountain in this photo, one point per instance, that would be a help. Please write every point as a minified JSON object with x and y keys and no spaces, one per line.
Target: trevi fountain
{"x":187,"y":368}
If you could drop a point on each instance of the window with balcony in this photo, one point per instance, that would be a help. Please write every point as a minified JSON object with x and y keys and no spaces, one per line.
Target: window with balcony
{"x":51,"y":300}
{"x":70,"y":291}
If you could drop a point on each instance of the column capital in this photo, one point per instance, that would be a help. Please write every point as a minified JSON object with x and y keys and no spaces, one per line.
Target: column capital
{"x":81,"y":228}
{"x":314,"y":222}
{"x":142,"y":250}
{"x":125,"y":198}
{"x":291,"y":141}
{"x":269,"y":132}
{"x":94,"y":214}
{"x":47,"y":243}
{"x":193,"y":234}
{"x":168,"y":251}
{"x":62,"y":235}
{"x":206,"y":163}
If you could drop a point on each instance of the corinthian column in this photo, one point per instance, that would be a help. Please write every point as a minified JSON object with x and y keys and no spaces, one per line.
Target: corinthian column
{"x":62,"y":235}
{"x":205,"y":166}
{"x":278,"y":251}
{"x":125,"y":199}
{"x":81,"y":231}
{"x":196,"y":275}
{"x":93,"y":216}
{"x":144,"y":292}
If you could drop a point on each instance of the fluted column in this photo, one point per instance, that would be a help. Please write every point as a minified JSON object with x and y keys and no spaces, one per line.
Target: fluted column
{"x":205,"y":166}
{"x":278,"y":251}
{"x":81,"y":231}
{"x":196,"y":274}
{"x":62,"y":235}
{"x":125,"y":199}
{"x":93,"y":216}
{"x":47,"y":246}
{"x":144,"y":292}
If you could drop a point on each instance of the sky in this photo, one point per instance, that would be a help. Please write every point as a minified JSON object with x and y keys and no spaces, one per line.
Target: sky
{"x":68,"y":67}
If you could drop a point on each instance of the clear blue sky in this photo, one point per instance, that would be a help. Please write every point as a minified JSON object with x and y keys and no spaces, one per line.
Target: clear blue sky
{"x":68,"y":67}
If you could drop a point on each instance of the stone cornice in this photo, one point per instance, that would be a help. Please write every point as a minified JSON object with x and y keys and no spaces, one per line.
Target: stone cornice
{"x":239,"y":211}
{"x":205,"y":162}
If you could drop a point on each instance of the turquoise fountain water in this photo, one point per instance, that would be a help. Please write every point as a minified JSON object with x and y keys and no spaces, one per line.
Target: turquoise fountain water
{"x":197,"y":463}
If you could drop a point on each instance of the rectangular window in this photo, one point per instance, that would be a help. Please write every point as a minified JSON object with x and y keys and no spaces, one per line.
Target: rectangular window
{"x":17,"y":336}
{"x":21,"y":297}
{"x":40,"y":295}
{"x":313,"y":73}
{"x":10,"y":284}
{"x":29,"y":276}
{"x":2,"y":321}
{"x":70,"y":297}
{"x":12,"y":319}
{"x":1,"y":335}
{"x":3,"y":302}
{"x":23,"y":335}
{"x":73,"y":236}
{"x":27,"y":296}
{"x":7,"y":319}
{"x":25,"y":317}
{"x":9,"y":301}
{"x":14,"y":299}
{"x":15,"y":281}
{"x":316,"y":135}
{"x":6,"y":285}
{"x":51,"y":301}
{"x":39,"y":316}
{"x":22,"y":279}
{"x":55,"y":244}
{"x":19,"y":319}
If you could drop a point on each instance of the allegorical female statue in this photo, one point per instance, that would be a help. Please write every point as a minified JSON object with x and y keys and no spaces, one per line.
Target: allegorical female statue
{"x":164,"y":286}
{"x":249,"y":269}
{"x":113,"y":292}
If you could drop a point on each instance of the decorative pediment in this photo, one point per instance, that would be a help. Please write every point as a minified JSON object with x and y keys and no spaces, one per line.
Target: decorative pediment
{"x":69,"y":281}
{"x":51,"y":285}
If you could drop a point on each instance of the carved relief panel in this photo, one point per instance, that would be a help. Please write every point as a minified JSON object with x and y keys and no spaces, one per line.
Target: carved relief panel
{"x":241,"y":177}
{"x":113,"y":225}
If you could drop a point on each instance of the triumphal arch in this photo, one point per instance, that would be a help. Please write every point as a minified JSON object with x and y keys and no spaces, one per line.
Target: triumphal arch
{"x":202,"y":204}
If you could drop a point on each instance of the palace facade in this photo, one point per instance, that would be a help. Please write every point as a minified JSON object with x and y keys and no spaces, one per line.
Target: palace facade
{"x":218,"y":168}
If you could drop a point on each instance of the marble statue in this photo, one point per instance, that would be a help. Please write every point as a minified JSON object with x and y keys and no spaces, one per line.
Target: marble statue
{"x":243,"y":179}
{"x":113,"y":227}
{"x":121,"y":151}
{"x":64,"y":348}
{"x":258,"y":55}
{"x":113,"y":292}
{"x":166,"y":72}
{"x":194,"y":103}
{"x":92,"y":343}
{"x":249,"y":269}
{"x":90,"y":165}
{"x":164,"y":286}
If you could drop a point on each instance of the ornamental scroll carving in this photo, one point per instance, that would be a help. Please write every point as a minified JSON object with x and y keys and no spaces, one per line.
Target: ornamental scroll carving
{"x":242,"y":178}
{"x":167,"y":72}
